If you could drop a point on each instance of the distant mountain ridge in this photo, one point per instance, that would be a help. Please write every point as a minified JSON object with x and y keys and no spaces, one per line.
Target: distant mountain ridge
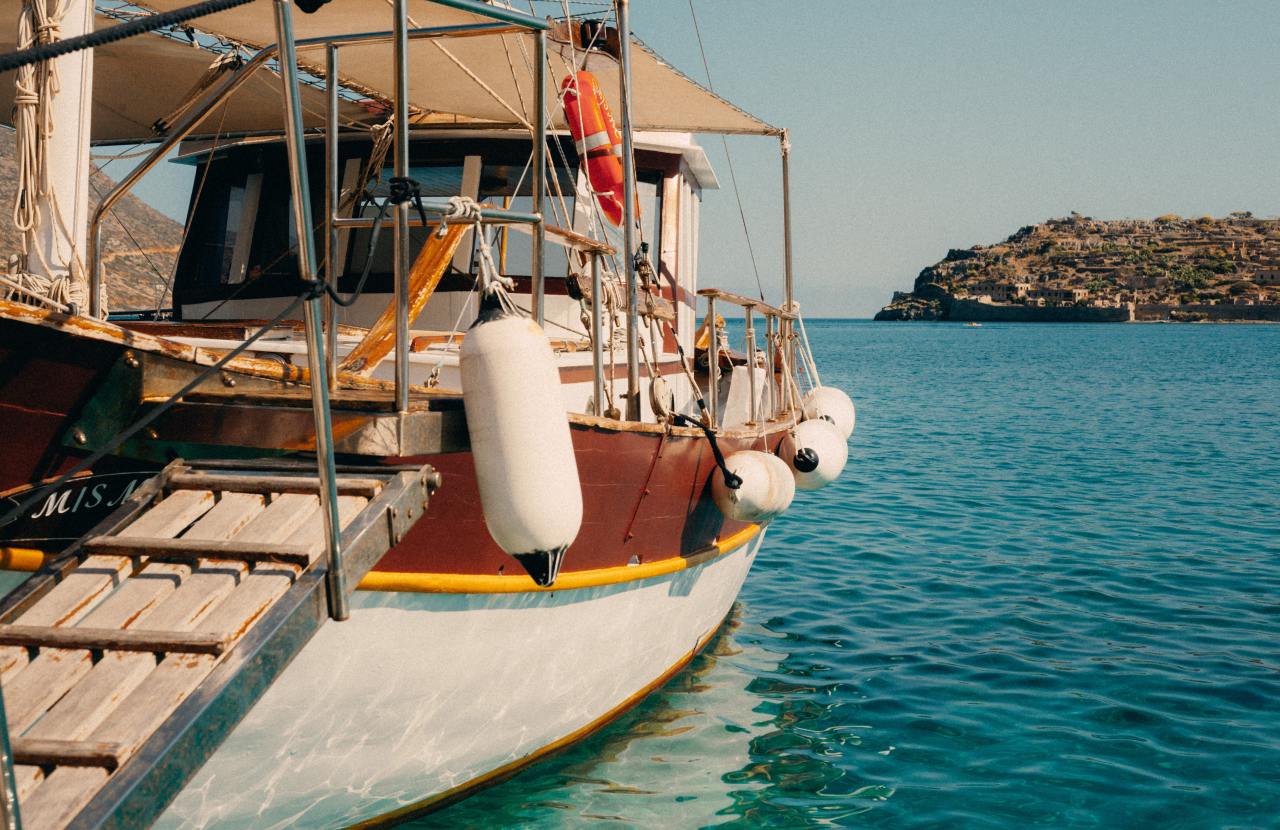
{"x":1163,"y":268}
{"x":139,"y":243}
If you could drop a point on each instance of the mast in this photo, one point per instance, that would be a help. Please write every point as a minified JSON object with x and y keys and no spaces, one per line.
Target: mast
{"x":629,"y":216}
{"x":63,"y":89}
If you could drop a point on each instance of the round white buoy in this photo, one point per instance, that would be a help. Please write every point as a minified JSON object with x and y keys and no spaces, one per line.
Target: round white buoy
{"x":816,"y":453}
{"x":520,"y":441}
{"x":831,"y":404}
{"x":767,"y":487}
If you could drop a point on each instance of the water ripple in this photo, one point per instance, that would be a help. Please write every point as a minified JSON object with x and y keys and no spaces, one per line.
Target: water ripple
{"x":1046,"y":592}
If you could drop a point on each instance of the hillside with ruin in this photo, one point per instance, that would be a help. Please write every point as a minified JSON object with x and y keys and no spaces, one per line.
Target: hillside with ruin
{"x":139,"y":243}
{"x":1089,"y":270}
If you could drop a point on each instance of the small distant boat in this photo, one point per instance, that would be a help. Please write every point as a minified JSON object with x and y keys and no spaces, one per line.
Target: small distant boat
{"x":974,"y":325}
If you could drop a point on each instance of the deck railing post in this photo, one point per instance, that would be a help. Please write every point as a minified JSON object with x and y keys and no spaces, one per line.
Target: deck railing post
{"x":539,"y":171}
{"x":753,"y":409}
{"x":331,"y":198}
{"x":770,"y":358}
{"x":597,"y":334}
{"x":629,"y":215}
{"x":301,"y":191}
{"x":788,"y":303}
{"x":713,"y":365}
{"x":400,"y":117}
{"x":10,"y":817}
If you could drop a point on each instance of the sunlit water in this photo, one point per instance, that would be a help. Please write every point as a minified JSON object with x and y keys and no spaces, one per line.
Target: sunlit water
{"x":1045,"y":592}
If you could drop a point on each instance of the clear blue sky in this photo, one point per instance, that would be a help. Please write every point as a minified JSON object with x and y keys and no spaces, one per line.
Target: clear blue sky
{"x":919,"y":127}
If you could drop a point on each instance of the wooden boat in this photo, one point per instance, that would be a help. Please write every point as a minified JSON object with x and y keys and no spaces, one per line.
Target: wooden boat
{"x":454,"y":664}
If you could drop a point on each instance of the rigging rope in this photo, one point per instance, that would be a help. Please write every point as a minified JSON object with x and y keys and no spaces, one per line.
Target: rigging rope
{"x":733,"y":178}
{"x":46,"y":49}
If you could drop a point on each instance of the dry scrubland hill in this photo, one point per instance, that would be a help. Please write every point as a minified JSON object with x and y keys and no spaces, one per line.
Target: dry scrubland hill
{"x":1084,"y":262}
{"x":140,"y":242}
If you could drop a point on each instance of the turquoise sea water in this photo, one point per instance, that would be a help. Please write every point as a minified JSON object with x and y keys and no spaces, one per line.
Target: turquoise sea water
{"x":1046,"y":592}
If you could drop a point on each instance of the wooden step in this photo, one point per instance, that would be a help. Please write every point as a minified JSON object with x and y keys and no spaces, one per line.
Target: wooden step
{"x":175,"y":615}
{"x":190,"y":551}
{"x":47,"y":753}
{"x":264,"y":484}
{"x":79,"y":637}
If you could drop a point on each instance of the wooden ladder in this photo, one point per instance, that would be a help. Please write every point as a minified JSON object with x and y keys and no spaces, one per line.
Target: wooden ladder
{"x":126,"y":660}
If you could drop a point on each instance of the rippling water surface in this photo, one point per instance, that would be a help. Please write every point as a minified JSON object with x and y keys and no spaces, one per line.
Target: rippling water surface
{"x":1045,"y":592}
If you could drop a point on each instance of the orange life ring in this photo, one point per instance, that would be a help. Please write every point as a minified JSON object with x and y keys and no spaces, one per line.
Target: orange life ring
{"x":599,"y":144}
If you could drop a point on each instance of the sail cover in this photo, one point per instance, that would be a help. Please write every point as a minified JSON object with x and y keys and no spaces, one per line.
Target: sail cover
{"x":485,"y":79}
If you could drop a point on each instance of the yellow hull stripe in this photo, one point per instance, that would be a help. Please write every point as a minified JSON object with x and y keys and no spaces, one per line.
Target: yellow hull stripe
{"x":502,"y":773}
{"x":443,"y":583}
{"x":28,"y":559}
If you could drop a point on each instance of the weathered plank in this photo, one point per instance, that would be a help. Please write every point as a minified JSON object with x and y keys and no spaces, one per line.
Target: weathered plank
{"x":190,"y":551}
{"x":264,"y":484}
{"x":119,"y":639}
{"x":68,"y":789}
{"x":66,"y":753}
{"x":104,"y":685}
{"x":75,"y":596}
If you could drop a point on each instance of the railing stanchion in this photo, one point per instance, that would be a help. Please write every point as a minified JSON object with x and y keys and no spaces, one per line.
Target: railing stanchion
{"x":331,"y":195}
{"x":597,"y":333}
{"x":713,"y":365}
{"x":752,"y":409}
{"x":770,"y":358}
{"x":539,"y":171}
{"x":313,"y":312}
{"x":400,"y":115}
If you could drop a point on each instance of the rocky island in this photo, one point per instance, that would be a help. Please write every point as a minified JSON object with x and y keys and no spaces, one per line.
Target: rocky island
{"x":1079,"y":269}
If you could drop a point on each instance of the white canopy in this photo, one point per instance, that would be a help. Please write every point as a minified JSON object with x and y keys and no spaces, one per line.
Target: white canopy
{"x":463,"y":79}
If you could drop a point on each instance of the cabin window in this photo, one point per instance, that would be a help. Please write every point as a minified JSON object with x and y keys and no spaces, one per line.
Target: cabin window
{"x":242,"y":241}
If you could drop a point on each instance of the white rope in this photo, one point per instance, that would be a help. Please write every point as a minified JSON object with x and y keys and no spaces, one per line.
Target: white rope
{"x":812,"y":366}
{"x":40,"y":23}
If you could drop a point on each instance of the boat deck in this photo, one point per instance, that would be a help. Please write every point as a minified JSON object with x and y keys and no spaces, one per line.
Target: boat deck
{"x":125,"y":661}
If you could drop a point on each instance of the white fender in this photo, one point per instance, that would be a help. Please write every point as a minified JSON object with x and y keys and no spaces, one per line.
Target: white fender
{"x":767,"y":487}
{"x":525,"y":464}
{"x":816,"y":453}
{"x":831,"y":404}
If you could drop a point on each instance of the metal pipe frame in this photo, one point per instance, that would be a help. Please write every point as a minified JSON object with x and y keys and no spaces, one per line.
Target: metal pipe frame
{"x":770,"y":359}
{"x":629,"y":215}
{"x":713,"y":365}
{"x":400,"y":120}
{"x":788,"y":327}
{"x":10,"y":816}
{"x":597,"y":336}
{"x":539,"y":174}
{"x":331,"y":194}
{"x":216,"y":97}
{"x":497,"y":216}
{"x":301,"y":191}
{"x":749,"y":312}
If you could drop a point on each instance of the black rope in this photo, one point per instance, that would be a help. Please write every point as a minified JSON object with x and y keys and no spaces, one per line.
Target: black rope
{"x":111,"y":34}
{"x":733,"y":482}
{"x":151,"y":416}
{"x":402,"y":189}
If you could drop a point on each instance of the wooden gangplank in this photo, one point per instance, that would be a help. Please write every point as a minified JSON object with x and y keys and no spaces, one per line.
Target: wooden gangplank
{"x":127,"y":659}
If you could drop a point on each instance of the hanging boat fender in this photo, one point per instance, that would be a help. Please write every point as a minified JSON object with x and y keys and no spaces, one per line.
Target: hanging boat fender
{"x":598,"y":141}
{"x":831,"y":404}
{"x":816,"y":453}
{"x":766,"y":489}
{"x":520,"y":442}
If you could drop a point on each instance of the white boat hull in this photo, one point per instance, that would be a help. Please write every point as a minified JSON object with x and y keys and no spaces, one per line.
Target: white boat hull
{"x":420,"y":695}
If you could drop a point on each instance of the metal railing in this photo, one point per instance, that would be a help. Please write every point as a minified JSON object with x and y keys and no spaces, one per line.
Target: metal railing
{"x":778,"y":335}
